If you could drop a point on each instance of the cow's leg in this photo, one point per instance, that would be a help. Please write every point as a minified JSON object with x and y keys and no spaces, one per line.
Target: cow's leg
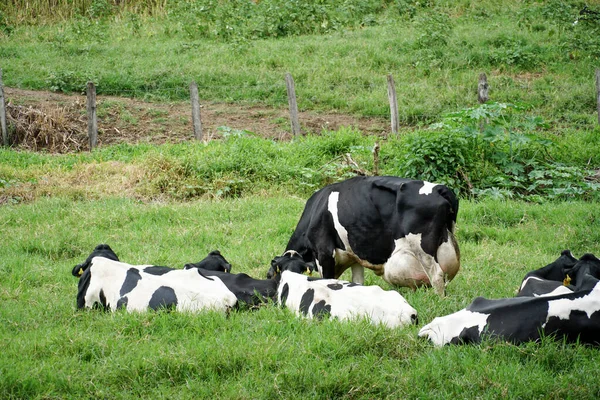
{"x":358,"y":274}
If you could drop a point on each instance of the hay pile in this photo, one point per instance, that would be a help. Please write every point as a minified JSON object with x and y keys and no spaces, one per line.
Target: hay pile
{"x":58,"y":129}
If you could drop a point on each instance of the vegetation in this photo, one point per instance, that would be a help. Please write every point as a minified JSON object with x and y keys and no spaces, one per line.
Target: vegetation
{"x":339,"y":52}
{"x":53,"y":351}
{"x":525,"y":165}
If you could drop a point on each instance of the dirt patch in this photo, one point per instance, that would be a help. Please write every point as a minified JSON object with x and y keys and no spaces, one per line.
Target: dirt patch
{"x":57,"y":122}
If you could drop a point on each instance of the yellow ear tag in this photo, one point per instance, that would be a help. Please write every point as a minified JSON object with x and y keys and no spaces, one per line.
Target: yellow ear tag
{"x":80,"y":272}
{"x":567,"y":280}
{"x":308,"y":272}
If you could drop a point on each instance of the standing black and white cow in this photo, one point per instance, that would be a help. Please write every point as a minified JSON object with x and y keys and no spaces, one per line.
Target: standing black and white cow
{"x":111,"y":284}
{"x":401,"y":229}
{"x":572,"y":313}
{"x":316,"y":298}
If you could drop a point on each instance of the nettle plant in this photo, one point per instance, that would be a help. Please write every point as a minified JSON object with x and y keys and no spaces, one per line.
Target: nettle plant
{"x":494,"y":150}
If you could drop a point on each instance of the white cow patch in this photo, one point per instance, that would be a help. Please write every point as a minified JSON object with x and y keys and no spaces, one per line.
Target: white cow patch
{"x":443,"y":329}
{"x":386,"y":307}
{"x":333,"y":209}
{"x":427,"y":188}
{"x":562,"y":308}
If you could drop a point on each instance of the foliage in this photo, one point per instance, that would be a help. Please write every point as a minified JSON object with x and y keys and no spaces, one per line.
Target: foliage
{"x":493,"y":150}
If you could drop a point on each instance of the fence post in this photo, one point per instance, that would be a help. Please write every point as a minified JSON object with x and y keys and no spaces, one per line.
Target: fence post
{"x":393,"y":103}
{"x":3,"y":127}
{"x":196,"y":121}
{"x":291,"y":92}
{"x":91,"y":114}
{"x":598,"y":93}
{"x":482,"y":89}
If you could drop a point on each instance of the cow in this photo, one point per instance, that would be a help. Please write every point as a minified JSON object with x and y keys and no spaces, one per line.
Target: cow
{"x":108,"y":283}
{"x":290,"y":261}
{"x":249,"y":291}
{"x":317,"y":298}
{"x":572,"y":314}
{"x":402,"y":229}
{"x":550,"y":280}
{"x":214,"y":261}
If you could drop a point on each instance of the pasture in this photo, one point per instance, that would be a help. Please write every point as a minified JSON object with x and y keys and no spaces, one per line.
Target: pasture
{"x":525,"y":166}
{"x":53,"y":351}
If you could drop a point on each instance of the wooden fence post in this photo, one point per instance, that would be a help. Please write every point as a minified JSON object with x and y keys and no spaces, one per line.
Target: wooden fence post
{"x":3,"y":126}
{"x":196,"y":121}
{"x":598,"y":93}
{"x":393,"y":103}
{"x":482,"y":89}
{"x":91,"y":113}
{"x":291,"y":92}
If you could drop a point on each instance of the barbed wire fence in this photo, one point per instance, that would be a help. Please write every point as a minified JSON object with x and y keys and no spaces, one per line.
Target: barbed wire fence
{"x":279,"y":93}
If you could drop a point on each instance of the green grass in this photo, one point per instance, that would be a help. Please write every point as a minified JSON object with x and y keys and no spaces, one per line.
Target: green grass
{"x":53,"y":351}
{"x":435,"y":61}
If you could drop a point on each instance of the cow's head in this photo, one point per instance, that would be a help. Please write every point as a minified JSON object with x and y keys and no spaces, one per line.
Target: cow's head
{"x":290,"y":261}
{"x":213,"y":262}
{"x":102,"y":250}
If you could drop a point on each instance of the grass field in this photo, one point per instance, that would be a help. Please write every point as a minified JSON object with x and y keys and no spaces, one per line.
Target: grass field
{"x":171,"y":204}
{"x":53,"y":351}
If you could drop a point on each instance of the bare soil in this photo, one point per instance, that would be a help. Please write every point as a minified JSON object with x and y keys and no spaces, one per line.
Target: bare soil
{"x":57,"y":122}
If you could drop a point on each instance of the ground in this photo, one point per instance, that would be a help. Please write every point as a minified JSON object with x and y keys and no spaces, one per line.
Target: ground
{"x":57,"y":122}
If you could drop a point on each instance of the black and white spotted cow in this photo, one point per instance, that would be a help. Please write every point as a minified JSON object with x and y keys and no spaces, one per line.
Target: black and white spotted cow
{"x":315,"y":298}
{"x":290,"y":261}
{"x":214,"y":261}
{"x":246,"y":289}
{"x":572,"y":313}
{"x":550,"y":280}
{"x":401,"y":229}
{"x":111,"y":284}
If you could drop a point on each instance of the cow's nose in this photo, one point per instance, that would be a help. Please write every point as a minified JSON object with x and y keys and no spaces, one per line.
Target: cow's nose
{"x":414,"y":319}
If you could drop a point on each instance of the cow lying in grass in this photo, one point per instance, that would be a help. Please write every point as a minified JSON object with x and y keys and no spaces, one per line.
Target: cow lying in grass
{"x":111,"y":284}
{"x":561,"y":300}
{"x":315,"y":298}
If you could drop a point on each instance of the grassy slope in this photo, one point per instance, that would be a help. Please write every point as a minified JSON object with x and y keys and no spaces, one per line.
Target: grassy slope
{"x":53,"y":351}
{"x":344,"y":70}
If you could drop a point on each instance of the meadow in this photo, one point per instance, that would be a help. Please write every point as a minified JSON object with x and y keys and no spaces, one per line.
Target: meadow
{"x":525,"y":166}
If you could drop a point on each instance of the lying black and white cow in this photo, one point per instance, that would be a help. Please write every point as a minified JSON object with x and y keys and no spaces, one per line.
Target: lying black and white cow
{"x":292,"y":261}
{"x":214,"y":261}
{"x":572,"y":313}
{"x":246,"y":289}
{"x":550,"y":280}
{"x":315,"y":298}
{"x":107,"y":282}
{"x":401,"y":229}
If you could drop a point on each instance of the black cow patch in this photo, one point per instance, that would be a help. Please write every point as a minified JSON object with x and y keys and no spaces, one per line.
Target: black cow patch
{"x":467,"y":335}
{"x":156,"y":270}
{"x":163,"y":297}
{"x":322,"y":309}
{"x":285,"y":293}
{"x":335,"y":286}
{"x":122,"y":303}
{"x":131,"y":281}
{"x":352,"y":284}
{"x":306,"y":301}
